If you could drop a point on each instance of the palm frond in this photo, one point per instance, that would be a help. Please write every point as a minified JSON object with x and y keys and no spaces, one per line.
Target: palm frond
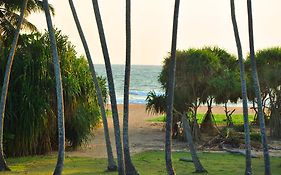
{"x":156,"y":103}
{"x":32,"y":6}
{"x":12,"y":18}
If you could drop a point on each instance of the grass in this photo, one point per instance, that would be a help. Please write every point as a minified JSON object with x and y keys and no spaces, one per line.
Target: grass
{"x":219,"y":118}
{"x":151,"y":163}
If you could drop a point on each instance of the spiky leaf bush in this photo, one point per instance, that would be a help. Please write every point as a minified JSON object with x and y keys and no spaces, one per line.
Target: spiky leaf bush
{"x":30,"y":125}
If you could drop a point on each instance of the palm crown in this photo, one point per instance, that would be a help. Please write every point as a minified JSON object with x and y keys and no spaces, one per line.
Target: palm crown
{"x":9,"y":16}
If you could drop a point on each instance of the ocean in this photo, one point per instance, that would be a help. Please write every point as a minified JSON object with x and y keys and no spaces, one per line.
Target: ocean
{"x":144,"y":78}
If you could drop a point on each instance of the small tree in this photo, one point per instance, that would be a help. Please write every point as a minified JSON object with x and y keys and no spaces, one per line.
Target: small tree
{"x":195,"y":68}
{"x":269,"y":70}
{"x":226,"y":84}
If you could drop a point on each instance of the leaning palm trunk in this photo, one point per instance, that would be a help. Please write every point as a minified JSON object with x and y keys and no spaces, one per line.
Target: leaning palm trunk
{"x":129,"y":167}
{"x":111,"y":163}
{"x":248,"y":169}
{"x":170,"y":91}
{"x":257,"y":90}
{"x":3,"y":164}
{"x":59,"y":92}
{"x":197,"y":164}
{"x":111,"y":87}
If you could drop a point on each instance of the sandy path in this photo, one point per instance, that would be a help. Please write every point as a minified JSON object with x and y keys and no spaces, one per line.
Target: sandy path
{"x":143,"y":135}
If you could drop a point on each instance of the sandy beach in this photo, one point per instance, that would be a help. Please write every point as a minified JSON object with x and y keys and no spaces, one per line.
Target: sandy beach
{"x":143,"y":135}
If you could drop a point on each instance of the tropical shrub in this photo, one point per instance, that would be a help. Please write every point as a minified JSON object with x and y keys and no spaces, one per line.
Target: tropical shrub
{"x":30,"y":118}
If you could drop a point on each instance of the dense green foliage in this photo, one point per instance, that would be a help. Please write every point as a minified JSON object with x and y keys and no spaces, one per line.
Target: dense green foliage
{"x":202,"y":75}
{"x":269,"y":71}
{"x":151,"y":163}
{"x":156,"y":104}
{"x":30,"y":123}
{"x":194,"y":68}
{"x":212,"y":74}
{"x":226,"y":81}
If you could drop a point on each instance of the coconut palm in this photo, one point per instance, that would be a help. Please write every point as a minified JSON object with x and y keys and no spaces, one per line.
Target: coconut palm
{"x":248,"y":169}
{"x":9,"y":16}
{"x":170,"y":92}
{"x":129,"y":167}
{"x":3,"y":165}
{"x":59,"y":92}
{"x":111,"y":163}
{"x":257,"y":89}
{"x":111,"y":87}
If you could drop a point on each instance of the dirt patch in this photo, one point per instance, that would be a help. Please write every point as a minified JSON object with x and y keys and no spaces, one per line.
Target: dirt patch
{"x":143,"y":135}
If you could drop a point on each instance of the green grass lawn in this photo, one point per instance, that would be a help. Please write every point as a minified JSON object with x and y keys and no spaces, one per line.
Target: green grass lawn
{"x":147,"y":163}
{"x":219,"y":118}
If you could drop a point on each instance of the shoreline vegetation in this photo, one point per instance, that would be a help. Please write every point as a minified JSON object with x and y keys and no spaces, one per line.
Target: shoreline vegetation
{"x":149,"y":162}
{"x":91,"y":158}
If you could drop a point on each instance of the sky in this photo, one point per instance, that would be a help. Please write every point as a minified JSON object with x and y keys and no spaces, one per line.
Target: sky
{"x":201,"y":23}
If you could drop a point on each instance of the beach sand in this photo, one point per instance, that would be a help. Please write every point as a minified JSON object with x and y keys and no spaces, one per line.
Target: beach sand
{"x":143,"y":135}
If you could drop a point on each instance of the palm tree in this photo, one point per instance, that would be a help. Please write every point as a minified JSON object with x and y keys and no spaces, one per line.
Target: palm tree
{"x":170,"y":92}
{"x":248,"y":169}
{"x":197,"y":164}
{"x":59,"y":91}
{"x":3,"y":165}
{"x":111,"y":163}
{"x":257,"y":89}
{"x":129,"y":167}
{"x":111,"y":87}
{"x":9,"y":17}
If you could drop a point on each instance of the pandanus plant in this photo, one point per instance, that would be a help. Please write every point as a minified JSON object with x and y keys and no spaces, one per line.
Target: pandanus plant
{"x":3,"y":164}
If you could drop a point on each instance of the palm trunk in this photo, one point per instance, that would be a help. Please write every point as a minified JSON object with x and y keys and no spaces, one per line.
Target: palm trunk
{"x":129,"y":167}
{"x":248,"y":169}
{"x":196,"y":133}
{"x":170,"y":91}
{"x":111,"y":163}
{"x":197,"y":164}
{"x":59,"y":92}
{"x":111,"y":87}
{"x":3,"y":164}
{"x":275,"y":116}
{"x":257,"y":90}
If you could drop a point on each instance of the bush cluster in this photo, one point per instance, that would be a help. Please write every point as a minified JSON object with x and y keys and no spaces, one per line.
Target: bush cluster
{"x":30,"y":125}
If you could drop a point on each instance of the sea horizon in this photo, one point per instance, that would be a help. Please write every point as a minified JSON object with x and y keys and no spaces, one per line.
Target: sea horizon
{"x":144,"y":78}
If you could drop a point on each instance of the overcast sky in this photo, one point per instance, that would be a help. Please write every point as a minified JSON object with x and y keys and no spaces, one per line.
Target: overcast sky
{"x":201,"y":23}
